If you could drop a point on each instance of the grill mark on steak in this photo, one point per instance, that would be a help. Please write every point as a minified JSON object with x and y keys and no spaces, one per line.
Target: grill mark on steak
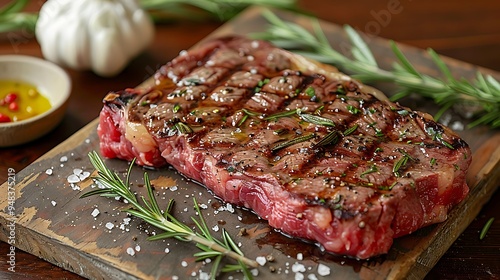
{"x":315,"y":153}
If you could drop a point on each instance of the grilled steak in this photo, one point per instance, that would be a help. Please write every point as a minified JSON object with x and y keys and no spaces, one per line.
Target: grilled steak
{"x":314,"y":152}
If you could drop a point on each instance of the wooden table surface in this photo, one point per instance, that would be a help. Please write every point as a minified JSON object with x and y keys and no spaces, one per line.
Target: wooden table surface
{"x":459,"y":29}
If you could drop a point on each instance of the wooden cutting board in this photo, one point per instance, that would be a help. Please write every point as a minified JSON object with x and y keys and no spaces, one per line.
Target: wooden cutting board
{"x":52,"y":222}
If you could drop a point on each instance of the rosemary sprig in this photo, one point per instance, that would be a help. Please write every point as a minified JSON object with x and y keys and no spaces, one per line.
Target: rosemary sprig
{"x":220,"y":9}
{"x":482,"y":95}
{"x":148,"y":210}
{"x":11,"y":17}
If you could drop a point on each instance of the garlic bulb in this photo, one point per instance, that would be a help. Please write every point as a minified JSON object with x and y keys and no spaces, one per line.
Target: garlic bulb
{"x":101,"y":35}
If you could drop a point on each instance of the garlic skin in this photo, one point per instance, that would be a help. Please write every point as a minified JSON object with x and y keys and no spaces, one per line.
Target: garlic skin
{"x":101,"y":35}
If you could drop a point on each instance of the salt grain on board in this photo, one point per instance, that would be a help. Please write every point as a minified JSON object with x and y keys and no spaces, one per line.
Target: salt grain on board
{"x":204,"y":276}
{"x":130,"y":251}
{"x":72,"y":179}
{"x":229,"y":208}
{"x":312,"y":277}
{"x":300,"y":256}
{"x":110,"y":225}
{"x":261,"y":260}
{"x":298,"y":267}
{"x":299,"y":276}
{"x":49,"y":171}
{"x":84,"y":175}
{"x":323,"y":270}
{"x":95,"y":213}
{"x":53,"y":203}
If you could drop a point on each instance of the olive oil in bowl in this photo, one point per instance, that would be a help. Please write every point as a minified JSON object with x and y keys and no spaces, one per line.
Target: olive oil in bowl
{"x":20,"y":100}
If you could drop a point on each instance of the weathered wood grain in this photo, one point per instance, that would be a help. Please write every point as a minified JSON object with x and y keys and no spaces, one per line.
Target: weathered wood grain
{"x":53,"y":223}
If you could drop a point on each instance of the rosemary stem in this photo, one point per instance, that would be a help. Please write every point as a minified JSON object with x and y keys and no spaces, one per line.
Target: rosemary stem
{"x":216,"y":247}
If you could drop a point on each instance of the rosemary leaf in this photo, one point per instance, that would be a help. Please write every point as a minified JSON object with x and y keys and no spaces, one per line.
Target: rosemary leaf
{"x":331,"y":138}
{"x":485,"y":229}
{"x":372,"y":169}
{"x":242,"y":120}
{"x":316,"y":120}
{"x":400,"y":163}
{"x":350,"y":130}
{"x":164,"y":235}
{"x":215,"y":266}
{"x":183,"y":128}
{"x":360,"y":51}
{"x":293,"y":141}
{"x":404,"y":61}
{"x":282,"y":114}
{"x":250,"y":113}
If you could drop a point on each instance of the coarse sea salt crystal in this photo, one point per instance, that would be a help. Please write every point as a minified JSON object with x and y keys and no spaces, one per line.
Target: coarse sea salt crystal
{"x":174,"y":188}
{"x":300,"y":256}
{"x":75,"y":187}
{"x":77,"y":171}
{"x":204,"y":276}
{"x":130,"y":251}
{"x":73,"y":179}
{"x":298,"y":267}
{"x":216,"y":228}
{"x":167,"y":250}
{"x":84,"y":175}
{"x":299,"y":276}
{"x":138,"y":248}
{"x":49,"y":171}
{"x":255,"y":272}
{"x":184,"y":263}
{"x":261,"y":260}
{"x":63,"y":159}
{"x":53,"y":203}
{"x":323,"y":270}
{"x":95,"y":213}
{"x":110,"y":225}
{"x":312,"y":277}
{"x":229,"y":208}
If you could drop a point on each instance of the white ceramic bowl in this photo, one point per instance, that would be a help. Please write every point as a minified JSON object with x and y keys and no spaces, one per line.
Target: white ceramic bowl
{"x":50,"y":80}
